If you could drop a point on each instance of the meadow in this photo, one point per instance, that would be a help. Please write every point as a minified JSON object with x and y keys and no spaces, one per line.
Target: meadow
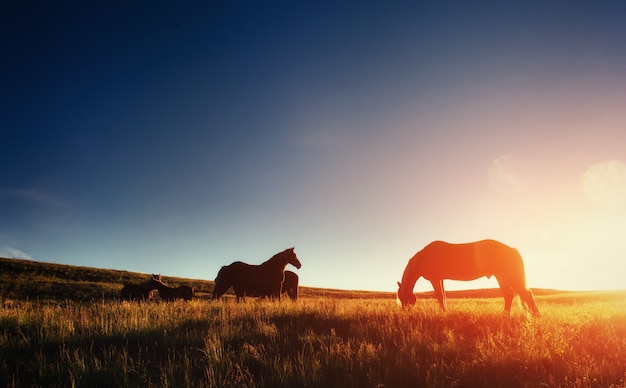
{"x":359,"y":340}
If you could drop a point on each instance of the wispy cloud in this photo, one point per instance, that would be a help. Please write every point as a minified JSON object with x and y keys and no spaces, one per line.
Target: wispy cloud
{"x":7,"y":251}
{"x":32,"y":196}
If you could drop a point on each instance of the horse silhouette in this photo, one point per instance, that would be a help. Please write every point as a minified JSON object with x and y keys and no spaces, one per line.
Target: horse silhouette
{"x":290,"y":286}
{"x":137,"y":292}
{"x":265,"y":279}
{"x":170,"y":294}
{"x":441,"y":260}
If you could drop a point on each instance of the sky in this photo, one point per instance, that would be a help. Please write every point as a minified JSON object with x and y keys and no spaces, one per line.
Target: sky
{"x":176,"y":137}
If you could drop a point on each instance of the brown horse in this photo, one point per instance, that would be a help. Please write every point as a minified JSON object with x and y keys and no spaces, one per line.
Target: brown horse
{"x":137,"y":292}
{"x":265,"y":279}
{"x":170,"y":294}
{"x":440,"y":260}
{"x":290,"y":286}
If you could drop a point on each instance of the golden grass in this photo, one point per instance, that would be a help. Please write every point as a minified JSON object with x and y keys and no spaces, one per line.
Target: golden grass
{"x":315,"y":342}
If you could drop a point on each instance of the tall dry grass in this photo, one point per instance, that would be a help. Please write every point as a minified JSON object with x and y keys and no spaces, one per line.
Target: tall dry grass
{"x":579,"y":342}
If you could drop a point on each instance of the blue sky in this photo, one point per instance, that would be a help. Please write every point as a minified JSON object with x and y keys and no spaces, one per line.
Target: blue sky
{"x":174,"y":138}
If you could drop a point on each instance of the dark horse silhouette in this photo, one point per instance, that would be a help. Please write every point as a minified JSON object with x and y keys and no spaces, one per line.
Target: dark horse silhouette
{"x":170,"y":294}
{"x":137,"y":292}
{"x":440,"y":260}
{"x":290,"y":286}
{"x":265,"y":279}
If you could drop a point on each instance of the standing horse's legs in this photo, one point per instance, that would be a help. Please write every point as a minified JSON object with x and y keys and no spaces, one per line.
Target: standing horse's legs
{"x":278,"y":292}
{"x":440,"y":293}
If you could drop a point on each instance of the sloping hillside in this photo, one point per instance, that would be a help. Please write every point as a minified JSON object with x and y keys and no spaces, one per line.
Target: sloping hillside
{"x":26,"y":279}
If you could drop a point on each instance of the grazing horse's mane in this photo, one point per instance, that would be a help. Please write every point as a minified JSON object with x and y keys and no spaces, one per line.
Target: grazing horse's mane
{"x":168,"y":293}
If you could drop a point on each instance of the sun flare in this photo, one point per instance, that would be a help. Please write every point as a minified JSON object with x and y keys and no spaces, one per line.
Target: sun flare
{"x":605,"y":183}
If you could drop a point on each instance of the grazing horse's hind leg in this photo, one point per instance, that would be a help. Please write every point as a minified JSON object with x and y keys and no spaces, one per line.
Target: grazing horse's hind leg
{"x":440,"y":293}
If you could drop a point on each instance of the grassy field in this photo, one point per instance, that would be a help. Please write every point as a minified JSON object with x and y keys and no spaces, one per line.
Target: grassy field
{"x":326,"y":339}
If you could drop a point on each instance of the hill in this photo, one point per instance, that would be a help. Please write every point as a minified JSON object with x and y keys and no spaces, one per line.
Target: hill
{"x":26,"y":279}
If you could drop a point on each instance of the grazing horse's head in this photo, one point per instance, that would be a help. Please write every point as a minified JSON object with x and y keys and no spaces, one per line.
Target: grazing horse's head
{"x":405,"y":295}
{"x":222,"y":282}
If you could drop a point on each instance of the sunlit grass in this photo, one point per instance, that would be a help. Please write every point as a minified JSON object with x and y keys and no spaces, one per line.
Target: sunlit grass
{"x":314,"y":342}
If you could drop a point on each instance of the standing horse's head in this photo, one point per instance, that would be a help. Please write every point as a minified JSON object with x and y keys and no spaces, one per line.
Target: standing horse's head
{"x":292,"y":258}
{"x":405,"y":295}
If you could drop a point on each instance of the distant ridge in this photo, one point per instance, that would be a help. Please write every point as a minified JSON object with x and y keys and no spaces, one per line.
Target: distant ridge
{"x":22,"y":279}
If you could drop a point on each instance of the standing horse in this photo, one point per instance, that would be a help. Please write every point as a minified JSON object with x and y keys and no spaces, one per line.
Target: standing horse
{"x":137,"y":292}
{"x":440,"y":260}
{"x":265,"y":279}
{"x":290,"y":286}
{"x":170,"y":294}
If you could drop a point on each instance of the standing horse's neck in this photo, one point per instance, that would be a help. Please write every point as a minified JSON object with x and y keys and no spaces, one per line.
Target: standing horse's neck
{"x":277,"y":261}
{"x":148,"y":286}
{"x":161,"y":286}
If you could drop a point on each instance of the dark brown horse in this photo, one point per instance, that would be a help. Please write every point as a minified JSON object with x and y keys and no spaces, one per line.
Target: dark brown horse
{"x":170,"y":294}
{"x":265,"y":279}
{"x":137,"y":292}
{"x":440,"y":260}
{"x":290,"y":286}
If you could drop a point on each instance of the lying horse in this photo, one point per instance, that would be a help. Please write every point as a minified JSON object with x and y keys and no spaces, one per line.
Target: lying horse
{"x":170,"y":294}
{"x":440,"y":260}
{"x":137,"y":292}
{"x":265,"y":279}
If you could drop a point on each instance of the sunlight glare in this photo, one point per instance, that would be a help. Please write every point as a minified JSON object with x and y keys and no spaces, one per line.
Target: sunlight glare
{"x":605,"y":183}
{"x":508,"y":175}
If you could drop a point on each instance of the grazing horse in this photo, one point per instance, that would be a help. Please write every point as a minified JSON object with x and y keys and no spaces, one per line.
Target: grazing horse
{"x":265,"y":279}
{"x":290,"y":285}
{"x":137,"y":292}
{"x":170,"y":294}
{"x":441,"y":260}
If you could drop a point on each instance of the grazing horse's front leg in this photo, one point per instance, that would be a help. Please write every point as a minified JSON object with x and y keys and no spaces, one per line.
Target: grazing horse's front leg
{"x":440,"y":293}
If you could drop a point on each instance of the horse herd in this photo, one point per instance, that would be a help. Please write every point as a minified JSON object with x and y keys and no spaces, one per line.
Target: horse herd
{"x":268,"y":279}
{"x":437,"y":261}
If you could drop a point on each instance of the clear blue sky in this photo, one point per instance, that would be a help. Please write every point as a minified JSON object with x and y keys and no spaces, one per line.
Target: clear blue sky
{"x":165,"y":137}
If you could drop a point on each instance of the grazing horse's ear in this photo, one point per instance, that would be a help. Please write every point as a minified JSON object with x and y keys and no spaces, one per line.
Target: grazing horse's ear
{"x":399,"y":284}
